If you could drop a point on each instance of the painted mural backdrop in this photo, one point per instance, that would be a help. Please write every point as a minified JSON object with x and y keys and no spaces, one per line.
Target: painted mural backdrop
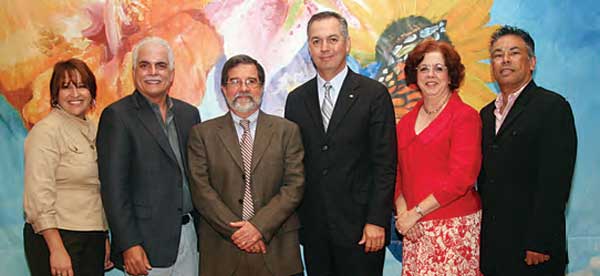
{"x":37,"y":33}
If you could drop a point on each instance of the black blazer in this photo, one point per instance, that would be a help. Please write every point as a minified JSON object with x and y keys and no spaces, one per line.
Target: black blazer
{"x":525,"y":182}
{"x":140,"y":177}
{"x":351,"y":169}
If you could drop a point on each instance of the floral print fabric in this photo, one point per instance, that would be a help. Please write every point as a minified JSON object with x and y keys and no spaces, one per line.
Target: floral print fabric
{"x":447,"y":247}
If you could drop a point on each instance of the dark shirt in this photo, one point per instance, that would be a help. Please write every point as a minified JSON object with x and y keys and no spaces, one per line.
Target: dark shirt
{"x":168,"y":126}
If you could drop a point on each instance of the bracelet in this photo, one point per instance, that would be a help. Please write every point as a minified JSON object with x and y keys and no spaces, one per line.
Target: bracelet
{"x":419,"y":210}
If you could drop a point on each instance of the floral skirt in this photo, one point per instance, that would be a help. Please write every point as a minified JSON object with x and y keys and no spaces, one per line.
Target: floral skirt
{"x":447,"y":247}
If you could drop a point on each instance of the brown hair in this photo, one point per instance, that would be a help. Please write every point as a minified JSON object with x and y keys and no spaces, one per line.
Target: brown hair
{"x":241,"y":59}
{"x":456,"y":70}
{"x":71,"y":67}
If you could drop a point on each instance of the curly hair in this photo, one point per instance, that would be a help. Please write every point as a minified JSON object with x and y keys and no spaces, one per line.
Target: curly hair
{"x":456,"y":70}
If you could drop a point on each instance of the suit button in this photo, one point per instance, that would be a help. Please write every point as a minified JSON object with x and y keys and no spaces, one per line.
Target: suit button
{"x":495,"y":147}
{"x":492,"y":181}
{"x":324,"y":148}
{"x":240,"y":201}
{"x":325,"y":171}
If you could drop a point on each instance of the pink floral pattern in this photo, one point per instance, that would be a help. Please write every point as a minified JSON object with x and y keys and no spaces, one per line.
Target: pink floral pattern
{"x":447,"y":247}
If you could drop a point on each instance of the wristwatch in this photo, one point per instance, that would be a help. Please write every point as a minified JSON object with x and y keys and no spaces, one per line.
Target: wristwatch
{"x":419,"y":210}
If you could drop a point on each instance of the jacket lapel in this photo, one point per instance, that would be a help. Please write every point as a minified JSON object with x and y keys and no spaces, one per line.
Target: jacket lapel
{"x":346,"y":98}
{"x":517,"y":108}
{"x":150,"y":122}
{"x":313,"y":105}
{"x":228,"y":136}
{"x":489,"y":122}
{"x":178,"y":119}
{"x":264,"y":132}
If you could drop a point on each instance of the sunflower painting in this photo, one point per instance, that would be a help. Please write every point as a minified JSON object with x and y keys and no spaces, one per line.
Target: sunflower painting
{"x":384,"y":32}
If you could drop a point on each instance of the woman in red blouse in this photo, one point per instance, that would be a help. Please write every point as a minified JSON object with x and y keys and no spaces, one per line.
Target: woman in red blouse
{"x":439,"y":156}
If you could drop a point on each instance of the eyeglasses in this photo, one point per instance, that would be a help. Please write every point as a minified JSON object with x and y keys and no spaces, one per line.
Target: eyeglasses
{"x":426,"y":68}
{"x":250,"y":83}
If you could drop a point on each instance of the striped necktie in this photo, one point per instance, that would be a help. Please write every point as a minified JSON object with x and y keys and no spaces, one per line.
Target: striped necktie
{"x":327,"y":106}
{"x":246,"y":149}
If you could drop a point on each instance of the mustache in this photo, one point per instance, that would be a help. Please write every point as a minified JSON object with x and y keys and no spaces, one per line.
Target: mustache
{"x":242,"y":94}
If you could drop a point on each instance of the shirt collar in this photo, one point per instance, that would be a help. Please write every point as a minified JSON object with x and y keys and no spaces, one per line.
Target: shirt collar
{"x":252,"y":118}
{"x":155,"y":106}
{"x":336,"y":82}
{"x":87,"y":128}
{"x":71,"y":117}
{"x":511,"y":97}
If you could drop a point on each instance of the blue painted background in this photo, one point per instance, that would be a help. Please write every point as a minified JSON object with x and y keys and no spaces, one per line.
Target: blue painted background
{"x":567,"y":35}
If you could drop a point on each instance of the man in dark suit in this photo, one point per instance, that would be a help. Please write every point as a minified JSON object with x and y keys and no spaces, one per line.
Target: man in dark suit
{"x":247,"y":178}
{"x":141,"y":142}
{"x":529,"y":147}
{"x":348,"y":130}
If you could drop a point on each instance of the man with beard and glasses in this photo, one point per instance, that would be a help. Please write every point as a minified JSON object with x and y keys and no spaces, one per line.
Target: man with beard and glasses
{"x":247,"y":178}
{"x":142,"y":164}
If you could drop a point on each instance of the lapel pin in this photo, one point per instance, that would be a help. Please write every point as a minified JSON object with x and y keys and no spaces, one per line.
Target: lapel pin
{"x":351,"y":96}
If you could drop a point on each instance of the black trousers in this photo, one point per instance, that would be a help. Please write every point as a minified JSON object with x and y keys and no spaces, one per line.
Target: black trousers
{"x":86,"y":249}
{"x":323,"y":258}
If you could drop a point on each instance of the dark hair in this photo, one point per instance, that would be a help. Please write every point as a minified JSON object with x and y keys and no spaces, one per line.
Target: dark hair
{"x":512,"y":30}
{"x":329,"y":14}
{"x":241,"y":59}
{"x":71,"y":67}
{"x":456,"y":70}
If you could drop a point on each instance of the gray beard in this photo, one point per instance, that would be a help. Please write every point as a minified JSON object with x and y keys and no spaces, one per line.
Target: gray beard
{"x":244,"y":107}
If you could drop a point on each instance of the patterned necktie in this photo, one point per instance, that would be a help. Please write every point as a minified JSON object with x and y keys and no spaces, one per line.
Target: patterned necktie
{"x":246,"y":148}
{"x":327,"y":107}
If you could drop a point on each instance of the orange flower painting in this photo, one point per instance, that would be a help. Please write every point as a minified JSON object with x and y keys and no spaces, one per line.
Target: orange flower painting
{"x":37,"y":34}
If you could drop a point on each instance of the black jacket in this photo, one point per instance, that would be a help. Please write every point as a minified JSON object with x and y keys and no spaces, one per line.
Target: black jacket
{"x":350,"y":169}
{"x":525,"y":182}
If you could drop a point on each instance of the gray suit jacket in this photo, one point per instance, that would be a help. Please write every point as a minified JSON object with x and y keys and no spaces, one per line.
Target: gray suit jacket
{"x":217,"y":186}
{"x":141,"y":180}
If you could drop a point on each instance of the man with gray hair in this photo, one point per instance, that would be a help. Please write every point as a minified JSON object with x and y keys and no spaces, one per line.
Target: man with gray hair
{"x":143,"y":170}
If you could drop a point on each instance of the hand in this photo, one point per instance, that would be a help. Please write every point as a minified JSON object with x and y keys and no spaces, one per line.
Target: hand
{"x":246,"y":236}
{"x":108,"y":264}
{"x":534,"y":258}
{"x":406,"y":220}
{"x":373,"y":238}
{"x":258,"y":247}
{"x":135,"y":261}
{"x":414,"y":233}
{"x":60,"y":263}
